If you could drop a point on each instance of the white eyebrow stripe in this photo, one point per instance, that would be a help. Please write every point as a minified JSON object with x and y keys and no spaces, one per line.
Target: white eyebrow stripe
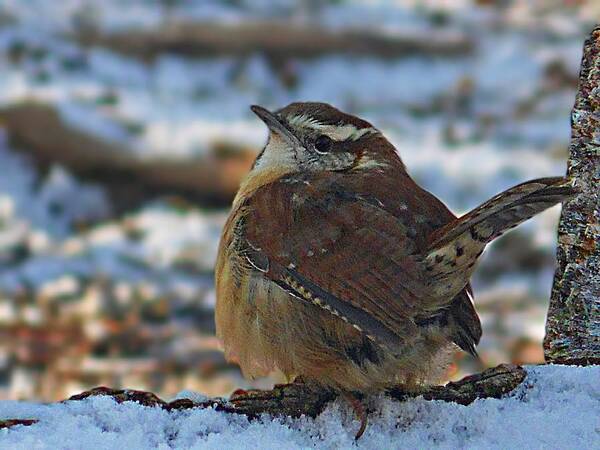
{"x":335,"y":132}
{"x":302,"y":120}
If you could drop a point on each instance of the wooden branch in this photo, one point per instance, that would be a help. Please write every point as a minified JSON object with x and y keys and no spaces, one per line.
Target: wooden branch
{"x":40,"y":131}
{"x":573,"y":325}
{"x":299,"y":399}
{"x":274,"y":39}
{"x":14,"y":422}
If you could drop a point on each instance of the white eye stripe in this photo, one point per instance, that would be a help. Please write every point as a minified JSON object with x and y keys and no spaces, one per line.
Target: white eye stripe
{"x":302,"y":120}
{"x":336,"y":132}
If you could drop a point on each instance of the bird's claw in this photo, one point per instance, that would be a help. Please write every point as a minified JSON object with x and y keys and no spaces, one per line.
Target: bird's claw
{"x":359,"y":411}
{"x":238,"y":394}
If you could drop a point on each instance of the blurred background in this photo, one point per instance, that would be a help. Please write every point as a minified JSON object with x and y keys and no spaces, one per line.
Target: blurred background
{"x":125,"y":130}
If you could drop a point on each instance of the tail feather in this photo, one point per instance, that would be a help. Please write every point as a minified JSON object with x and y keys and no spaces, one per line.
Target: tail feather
{"x":507,"y":209}
{"x":454,"y":249}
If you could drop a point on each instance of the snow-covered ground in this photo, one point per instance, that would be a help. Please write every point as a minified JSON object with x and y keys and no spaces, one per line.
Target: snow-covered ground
{"x":557,"y":407}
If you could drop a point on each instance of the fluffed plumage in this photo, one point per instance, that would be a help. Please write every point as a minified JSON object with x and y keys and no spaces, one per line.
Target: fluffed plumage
{"x":334,"y":265}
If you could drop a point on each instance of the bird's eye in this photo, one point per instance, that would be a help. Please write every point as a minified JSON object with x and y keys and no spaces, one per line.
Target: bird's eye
{"x":323,"y":144}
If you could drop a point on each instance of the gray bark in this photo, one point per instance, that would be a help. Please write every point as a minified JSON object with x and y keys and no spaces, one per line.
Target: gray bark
{"x":573,"y":325}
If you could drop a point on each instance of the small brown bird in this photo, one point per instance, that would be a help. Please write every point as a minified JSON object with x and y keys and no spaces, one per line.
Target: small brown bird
{"x":335,"y":266}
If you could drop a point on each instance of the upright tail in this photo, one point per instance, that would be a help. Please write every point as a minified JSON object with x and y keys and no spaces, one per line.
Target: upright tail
{"x":454,"y":248}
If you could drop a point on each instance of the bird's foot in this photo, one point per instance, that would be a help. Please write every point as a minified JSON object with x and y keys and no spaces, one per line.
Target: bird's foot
{"x":237,"y":394}
{"x":359,"y":411}
{"x":298,"y":381}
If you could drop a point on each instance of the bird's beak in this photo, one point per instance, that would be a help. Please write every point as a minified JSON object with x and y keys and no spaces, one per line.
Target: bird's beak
{"x":275,"y":126}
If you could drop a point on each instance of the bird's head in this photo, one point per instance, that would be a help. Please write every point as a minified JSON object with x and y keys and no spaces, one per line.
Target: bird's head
{"x":312,"y":136}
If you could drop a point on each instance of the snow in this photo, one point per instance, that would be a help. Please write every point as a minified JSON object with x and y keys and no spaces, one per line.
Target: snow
{"x":54,"y":205}
{"x":557,"y":407}
{"x":159,"y":246}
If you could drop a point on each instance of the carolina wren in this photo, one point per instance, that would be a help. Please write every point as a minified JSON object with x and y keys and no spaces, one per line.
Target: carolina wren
{"x":334,"y":265}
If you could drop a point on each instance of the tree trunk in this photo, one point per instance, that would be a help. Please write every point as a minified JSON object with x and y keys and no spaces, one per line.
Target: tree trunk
{"x":573,"y":325}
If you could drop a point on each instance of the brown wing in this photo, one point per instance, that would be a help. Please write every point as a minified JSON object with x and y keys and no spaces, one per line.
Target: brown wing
{"x":343,"y":252}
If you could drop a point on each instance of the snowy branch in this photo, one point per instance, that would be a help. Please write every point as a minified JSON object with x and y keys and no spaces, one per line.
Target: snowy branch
{"x":300,"y":399}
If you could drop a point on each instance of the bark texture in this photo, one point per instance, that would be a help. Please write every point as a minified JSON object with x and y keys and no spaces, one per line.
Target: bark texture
{"x":573,"y":325}
{"x":298,"y":399}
